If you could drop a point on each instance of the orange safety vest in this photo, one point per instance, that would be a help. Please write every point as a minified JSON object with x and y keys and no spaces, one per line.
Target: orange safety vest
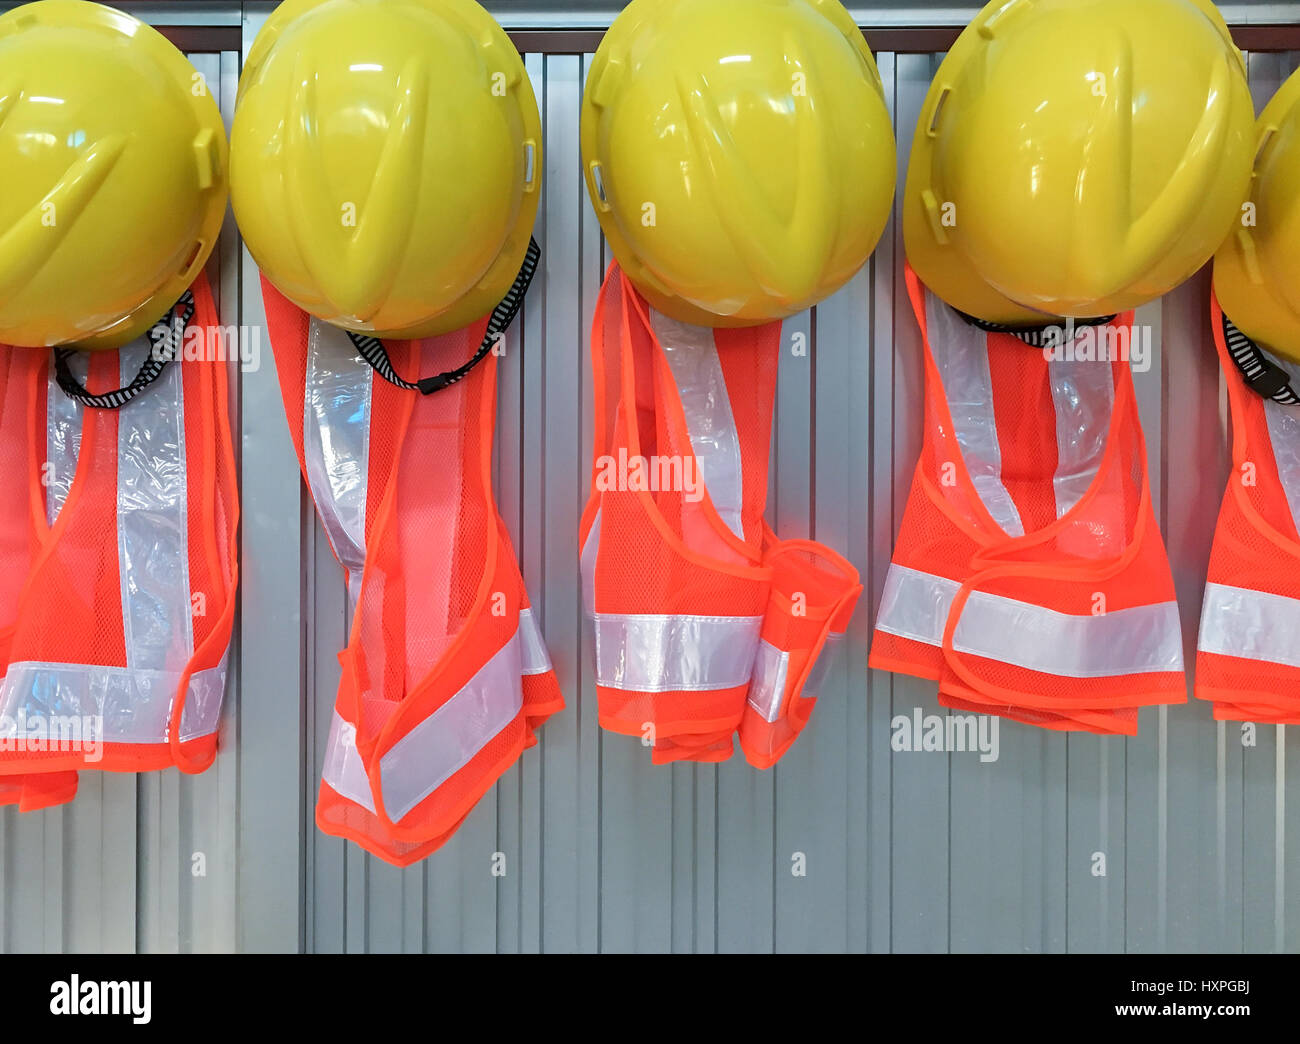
{"x":117,"y":637}
{"x":703,"y":622}
{"x":445,"y":675}
{"x":1248,"y":649}
{"x":1029,"y":577}
{"x":17,"y":552}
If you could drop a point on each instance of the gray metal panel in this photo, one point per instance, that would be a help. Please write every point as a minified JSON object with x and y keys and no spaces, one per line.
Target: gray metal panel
{"x":603,"y":851}
{"x":919,"y":789}
{"x":597,"y":14}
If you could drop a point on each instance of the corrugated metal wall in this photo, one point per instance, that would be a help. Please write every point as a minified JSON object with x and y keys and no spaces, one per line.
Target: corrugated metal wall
{"x":903,"y":851}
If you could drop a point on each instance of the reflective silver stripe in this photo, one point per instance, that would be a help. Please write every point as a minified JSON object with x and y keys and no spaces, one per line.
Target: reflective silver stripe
{"x":343,"y":769}
{"x":692,"y":356}
{"x":827,"y":659}
{"x":439,"y":746}
{"x":152,"y":525}
{"x":771,"y":674}
{"x":767,"y":685}
{"x":62,"y":437}
{"x":915,"y":605}
{"x":1284,"y":434}
{"x":134,"y":705}
{"x":336,"y":443}
{"x":587,"y":562}
{"x":960,"y":352}
{"x":1083,"y":393}
{"x":1138,"y":640}
{"x":1254,"y":625}
{"x":533,"y":654}
{"x":650,"y":652}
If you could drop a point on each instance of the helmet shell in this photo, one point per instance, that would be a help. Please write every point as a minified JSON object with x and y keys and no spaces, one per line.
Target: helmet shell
{"x":112,"y":175}
{"x":1077,"y":157}
{"x":1257,"y":270}
{"x":738,"y":153}
{"x":386,"y":161}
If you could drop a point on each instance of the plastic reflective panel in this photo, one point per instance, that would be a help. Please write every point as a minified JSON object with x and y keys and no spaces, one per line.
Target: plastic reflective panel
{"x":1083,"y":394}
{"x":587,"y":561}
{"x":1140,"y":639}
{"x":63,"y":438}
{"x":1083,"y":397}
{"x":693,"y":358}
{"x":442,"y":744}
{"x":336,"y":443}
{"x":446,"y":741}
{"x":661,"y":653}
{"x":533,"y":654}
{"x":134,"y":705}
{"x":821,"y":669}
{"x":915,"y":605}
{"x":1284,"y":434}
{"x":152,"y":526}
{"x":960,"y":352}
{"x":650,"y":652}
{"x":342,"y":768}
{"x":767,"y":686}
{"x":1137,"y":640}
{"x":1253,"y":625}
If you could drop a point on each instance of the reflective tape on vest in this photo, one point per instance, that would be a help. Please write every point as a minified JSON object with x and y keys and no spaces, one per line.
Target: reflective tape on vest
{"x":692,"y":356}
{"x":130,"y":704}
{"x":535,"y":658}
{"x":651,"y":652}
{"x":63,"y":415}
{"x":1254,"y":625}
{"x":1083,"y":395}
{"x":1138,"y":640}
{"x":772,"y":674}
{"x":448,"y":739}
{"x":120,"y":704}
{"x":336,"y":443}
{"x":1284,"y":439}
{"x":662,"y":652}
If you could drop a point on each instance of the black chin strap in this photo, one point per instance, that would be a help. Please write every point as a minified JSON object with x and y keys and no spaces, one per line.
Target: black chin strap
{"x":372,"y":349}
{"x":1036,"y":336}
{"x":1261,"y":374}
{"x":165,"y":339}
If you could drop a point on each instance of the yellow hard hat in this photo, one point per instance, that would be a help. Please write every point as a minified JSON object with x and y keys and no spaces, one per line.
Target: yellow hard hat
{"x":1077,"y":157}
{"x":112,"y":175}
{"x":386,"y":162}
{"x":738,"y":153}
{"x":1257,"y":270}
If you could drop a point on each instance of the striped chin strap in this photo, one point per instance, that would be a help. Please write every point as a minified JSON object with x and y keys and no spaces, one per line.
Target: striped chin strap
{"x":166,"y":336}
{"x":372,"y":349}
{"x":1261,"y":374}
{"x":1045,"y":336}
